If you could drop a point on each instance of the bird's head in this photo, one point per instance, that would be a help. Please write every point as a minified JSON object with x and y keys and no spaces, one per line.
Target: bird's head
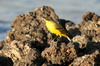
{"x":47,"y":19}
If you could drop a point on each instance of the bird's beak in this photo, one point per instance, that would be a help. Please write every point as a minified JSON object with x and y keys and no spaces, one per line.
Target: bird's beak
{"x":43,"y":18}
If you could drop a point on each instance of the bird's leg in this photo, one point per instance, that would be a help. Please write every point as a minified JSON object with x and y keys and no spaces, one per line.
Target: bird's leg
{"x":55,"y":37}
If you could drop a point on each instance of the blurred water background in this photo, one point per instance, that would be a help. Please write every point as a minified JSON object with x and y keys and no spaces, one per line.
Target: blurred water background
{"x":66,"y":9}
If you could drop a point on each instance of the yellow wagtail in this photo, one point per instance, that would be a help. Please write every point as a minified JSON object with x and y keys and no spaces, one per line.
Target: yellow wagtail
{"x":55,"y":28}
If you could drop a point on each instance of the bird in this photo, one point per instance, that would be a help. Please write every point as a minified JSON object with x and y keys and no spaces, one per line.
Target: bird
{"x":55,"y":28}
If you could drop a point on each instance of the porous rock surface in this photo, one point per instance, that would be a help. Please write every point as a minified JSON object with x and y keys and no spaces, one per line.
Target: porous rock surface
{"x":29,"y":43}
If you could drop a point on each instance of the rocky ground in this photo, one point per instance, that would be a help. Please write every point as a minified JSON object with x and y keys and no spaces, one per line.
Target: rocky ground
{"x":29,"y":43}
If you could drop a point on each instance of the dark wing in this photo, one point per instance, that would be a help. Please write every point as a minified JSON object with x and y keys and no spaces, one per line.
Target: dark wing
{"x":61,"y":29}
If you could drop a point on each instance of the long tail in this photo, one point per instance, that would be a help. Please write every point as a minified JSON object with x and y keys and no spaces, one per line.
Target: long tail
{"x":67,"y":37}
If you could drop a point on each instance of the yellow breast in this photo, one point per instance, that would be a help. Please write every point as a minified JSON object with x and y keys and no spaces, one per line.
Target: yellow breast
{"x":56,"y":28}
{"x":52,"y":27}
